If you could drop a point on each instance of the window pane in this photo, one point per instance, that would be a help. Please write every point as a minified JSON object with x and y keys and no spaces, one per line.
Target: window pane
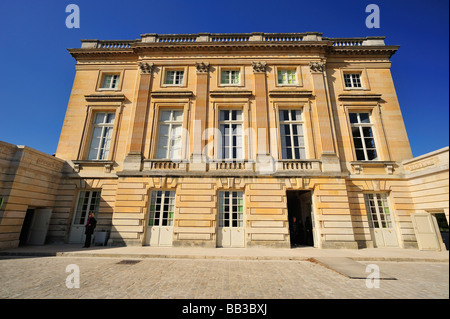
{"x":364,"y":117}
{"x":178,"y":116}
{"x":367,"y":131}
{"x":371,"y":155}
{"x":353,"y":117}
{"x":360,"y":155}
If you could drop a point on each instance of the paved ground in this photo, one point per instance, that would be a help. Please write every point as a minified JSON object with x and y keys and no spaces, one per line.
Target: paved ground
{"x":169,"y":278}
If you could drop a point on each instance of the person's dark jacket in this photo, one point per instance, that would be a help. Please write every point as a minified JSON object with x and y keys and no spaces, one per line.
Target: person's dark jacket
{"x":90,"y":225}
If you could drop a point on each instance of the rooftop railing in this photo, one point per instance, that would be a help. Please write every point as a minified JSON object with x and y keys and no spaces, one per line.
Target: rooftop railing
{"x":232,"y":38}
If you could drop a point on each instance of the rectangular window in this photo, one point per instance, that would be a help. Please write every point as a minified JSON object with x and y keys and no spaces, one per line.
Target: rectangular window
{"x":174,"y":77}
{"x":101,"y":136}
{"x":110,"y":81}
{"x":88,"y":201}
{"x":287,"y":77}
{"x":230,"y":123}
{"x":363,"y":139}
{"x":231,"y":209}
{"x":230,"y":77}
{"x":352,"y":80}
{"x":378,"y":211}
{"x":291,"y":134}
{"x":162,"y":208}
{"x":170,"y":134}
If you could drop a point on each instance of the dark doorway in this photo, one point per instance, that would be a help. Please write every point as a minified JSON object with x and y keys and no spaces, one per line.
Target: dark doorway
{"x":26,"y":226}
{"x":443,"y":227}
{"x":300,"y":219}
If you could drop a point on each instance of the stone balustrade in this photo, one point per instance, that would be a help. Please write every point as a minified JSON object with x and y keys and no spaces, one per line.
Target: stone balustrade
{"x":231,"y":37}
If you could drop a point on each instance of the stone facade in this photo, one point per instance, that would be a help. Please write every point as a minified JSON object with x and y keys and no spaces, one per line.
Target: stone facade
{"x":192,"y":75}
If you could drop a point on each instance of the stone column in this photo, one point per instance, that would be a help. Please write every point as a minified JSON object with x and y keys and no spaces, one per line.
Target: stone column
{"x":264,"y":161}
{"x":198,"y":163}
{"x":330,"y":161}
{"x":134,"y":157}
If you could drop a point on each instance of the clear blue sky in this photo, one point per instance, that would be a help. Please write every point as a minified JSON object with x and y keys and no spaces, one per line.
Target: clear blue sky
{"x":37,"y":71}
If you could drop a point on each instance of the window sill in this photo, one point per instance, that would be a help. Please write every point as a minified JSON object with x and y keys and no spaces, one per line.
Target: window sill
{"x":359,"y":166}
{"x":79,"y":164}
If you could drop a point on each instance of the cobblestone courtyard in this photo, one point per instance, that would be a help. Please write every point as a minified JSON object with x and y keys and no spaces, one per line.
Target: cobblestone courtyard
{"x":104,"y":277}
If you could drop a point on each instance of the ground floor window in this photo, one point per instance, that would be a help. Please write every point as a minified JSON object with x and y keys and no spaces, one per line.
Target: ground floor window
{"x":162,"y":208}
{"x":378,"y":210}
{"x":88,"y":201}
{"x":231,"y":209}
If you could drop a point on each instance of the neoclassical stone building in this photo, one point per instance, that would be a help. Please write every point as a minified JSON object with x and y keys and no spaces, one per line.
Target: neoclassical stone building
{"x":221,"y":140}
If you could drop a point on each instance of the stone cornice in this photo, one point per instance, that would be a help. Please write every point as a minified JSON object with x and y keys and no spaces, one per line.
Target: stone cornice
{"x":229,"y":93}
{"x":359,"y":97}
{"x":172,"y":94}
{"x":101,"y":97}
{"x":290,"y":93}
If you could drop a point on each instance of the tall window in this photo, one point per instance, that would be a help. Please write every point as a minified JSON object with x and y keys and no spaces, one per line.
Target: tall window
{"x":230,"y":123}
{"x":231,"y":209}
{"x":352,"y":80}
{"x":170,"y":134}
{"x":110,"y":81}
{"x":378,"y":211}
{"x":162,"y":208}
{"x":287,"y":76}
{"x":174,"y":77}
{"x":363,"y":139}
{"x":88,"y":201}
{"x":230,"y":77}
{"x":291,"y":132}
{"x":101,"y":136}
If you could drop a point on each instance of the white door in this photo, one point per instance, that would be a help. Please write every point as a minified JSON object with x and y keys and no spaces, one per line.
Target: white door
{"x":88,"y":201}
{"x":380,"y":219}
{"x":231,"y":231}
{"x":39,"y":226}
{"x":425,"y":229}
{"x":160,"y":220}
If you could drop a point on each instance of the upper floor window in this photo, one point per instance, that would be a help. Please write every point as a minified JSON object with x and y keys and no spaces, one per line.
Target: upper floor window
{"x":352,"y":80}
{"x":230,"y":77}
{"x":101,"y":136}
{"x":174,"y":77}
{"x":287,"y":77}
{"x":230,"y":124}
{"x":363,"y":139}
{"x":291,"y":133}
{"x":110,"y":81}
{"x":170,"y":134}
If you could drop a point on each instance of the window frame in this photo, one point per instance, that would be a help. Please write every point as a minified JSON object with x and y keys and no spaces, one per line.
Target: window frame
{"x":103,"y":73}
{"x":222,"y":69}
{"x":104,"y":125}
{"x":220,"y":145}
{"x":164,"y":74}
{"x":295,"y":69}
{"x":228,"y":222}
{"x":364,"y":79}
{"x":170,"y":122}
{"x":291,"y":122}
{"x":170,"y":220}
{"x":360,"y":127}
{"x":96,"y":210}
{"x":388,"y":219}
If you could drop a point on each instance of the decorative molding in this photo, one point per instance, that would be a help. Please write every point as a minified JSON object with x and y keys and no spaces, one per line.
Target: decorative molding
{"x":290,"y":93}
{"x":172,"y":94}
{"x":145,"y":68}
{"x":228,"y":93}
{"x":259,"y":67}
{"x":359,"y":97}
{"x":202,"y":67}
{"x":105,"y":97}
{"x":317,"y":66}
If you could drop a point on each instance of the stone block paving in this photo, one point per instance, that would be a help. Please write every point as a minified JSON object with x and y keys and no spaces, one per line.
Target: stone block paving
{"x":164,"y":278}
